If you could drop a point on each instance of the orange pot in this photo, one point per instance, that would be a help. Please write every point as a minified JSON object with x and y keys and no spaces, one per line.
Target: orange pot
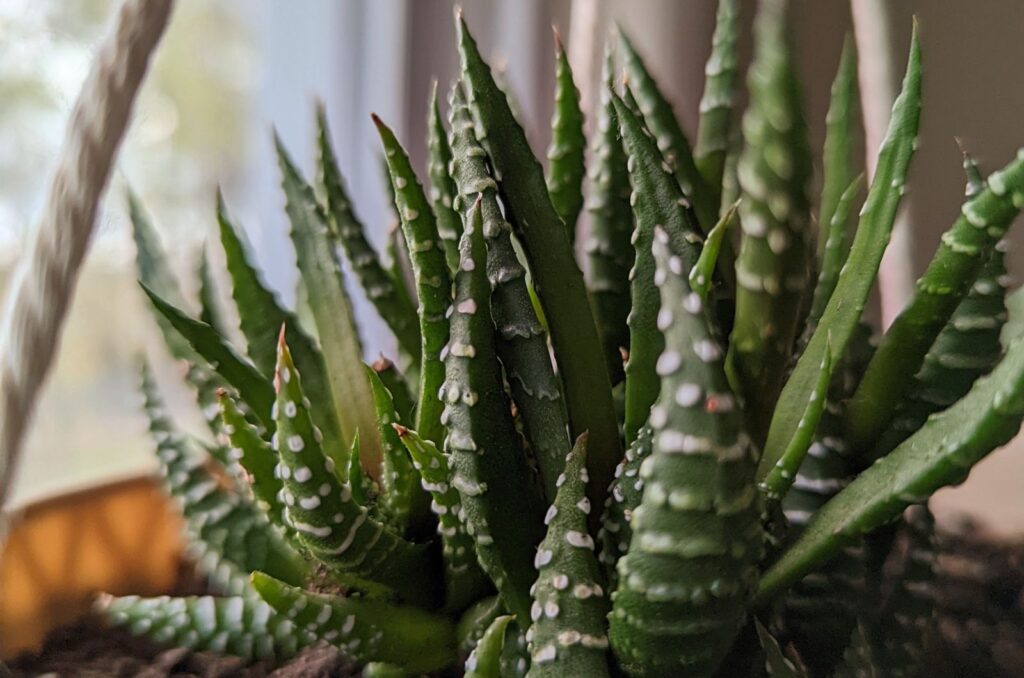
{"x":122,"y":537}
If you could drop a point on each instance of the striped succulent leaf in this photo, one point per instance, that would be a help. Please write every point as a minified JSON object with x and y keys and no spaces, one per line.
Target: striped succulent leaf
{"x":521,"y":341}
{"x":502,"y":509}
{"x":842,"y":314}
{"x":442,"y":186}
{"x":671,"y":140}
{"x":556,"y":275}
{"x":405,"y":504}
{"x":774,"y":259}
{"x":366,"y":629}
{"x":611,"y":225}
{"x":570,"y":602}
{"x":387,"y":296}
{"x":697,"y":536}
{"x":623,"y":498}
{"x":243,"y":626}
{"x":721,"y":81}
{"x":656,"y":201}
{"x":940,"y":453}
{"x":962,"y":252}
{"x":565,"y":154}
{"x":433,"y":282}
{"x":348,"y":396}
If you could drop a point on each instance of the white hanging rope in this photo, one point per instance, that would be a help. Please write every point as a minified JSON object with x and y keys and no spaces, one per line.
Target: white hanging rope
{"x":44,"y":281}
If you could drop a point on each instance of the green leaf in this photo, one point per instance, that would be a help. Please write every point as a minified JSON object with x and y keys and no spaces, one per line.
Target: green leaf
{"x":608,"y":248}
{"x":155,"y":272}
{"x":568,"y":145}
{"x":697,"y":534}
{"x":252,"y":387}
{"x":256,"y":457}
{"x":963,"y":250}
{"x":838,"y":156}
{"x":567,"y":637}
{"x":939,"y":454}
{"x":485,"y":659}
{"x":330,"y":525}
{"x":835,"y":252}
{"x":780,"y":477}
{"x":772,"y":268}
{"x":402,"y":500}
{"x":501,"y":507}
{"x":386,"y":293}
{"x":465,"y":582}
{"x":442,"y":186}
{"x":398,"y":387}
{"x":349,"y":392}
{"x":243,"y":626}
{"x":520,"y":339}
{"x":261,"y":318}
{"x":210,"y":312}
{"x":657,"y":201}
{"x":702,"y":275}
{"x":967,"y":348}
{"x":672,"y":141}
{"x":842,"y":314}
{"x":365,"y":629}
{"x":433,"y":282}
{"x":556,"y":275}
{"x":721,"y":81}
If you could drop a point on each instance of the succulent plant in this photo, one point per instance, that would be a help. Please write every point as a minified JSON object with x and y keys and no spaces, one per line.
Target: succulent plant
{"x":686,"y":463}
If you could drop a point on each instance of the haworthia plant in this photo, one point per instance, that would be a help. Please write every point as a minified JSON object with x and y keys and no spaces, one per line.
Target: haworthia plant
{"x":369,"y":630}
{"x":260,"y":319}
{"x":403,"y":501}
{"x":940,"y":453}
{"x":839,"y":165}
{"x":228,"y":535}
{"x":521,"y":340}
{"x":420,"y":539}
{"x":243,"y":626}
{"x":565,"y":154}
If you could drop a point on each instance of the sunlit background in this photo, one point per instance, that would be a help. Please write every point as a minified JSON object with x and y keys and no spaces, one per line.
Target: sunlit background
{"x":228,"y":71}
